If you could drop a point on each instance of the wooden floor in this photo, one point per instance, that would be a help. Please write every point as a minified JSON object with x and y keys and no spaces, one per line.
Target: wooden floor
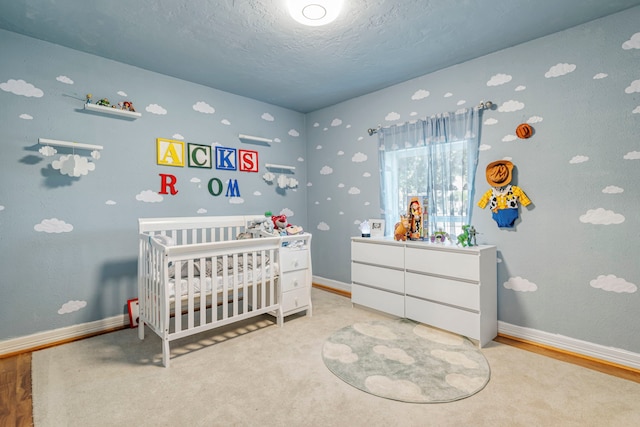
{"x":15,"y":391}
{"x":16,"y":404}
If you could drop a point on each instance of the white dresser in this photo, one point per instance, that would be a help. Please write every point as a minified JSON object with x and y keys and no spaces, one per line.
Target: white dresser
{"x":445,"y":286}
{"x":295,"y":275}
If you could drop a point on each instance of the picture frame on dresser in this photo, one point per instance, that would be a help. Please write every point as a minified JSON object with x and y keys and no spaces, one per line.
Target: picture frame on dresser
{"x":377,"y":227}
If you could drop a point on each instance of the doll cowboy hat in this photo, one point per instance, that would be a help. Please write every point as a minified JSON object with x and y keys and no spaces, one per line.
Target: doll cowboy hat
{"x":499,"y":173}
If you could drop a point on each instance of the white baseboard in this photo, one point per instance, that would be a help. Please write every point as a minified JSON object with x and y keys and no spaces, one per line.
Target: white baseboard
{"x":30,"y":342}
{"x":329,"y":283}
{"x":585,"y":348}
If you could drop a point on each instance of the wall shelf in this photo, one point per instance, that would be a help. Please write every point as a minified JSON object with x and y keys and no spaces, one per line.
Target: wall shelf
{"x":78,"y":145}
{"x":272,"y":166}
{"x":113,"y":111}
{"x":249,"y":138}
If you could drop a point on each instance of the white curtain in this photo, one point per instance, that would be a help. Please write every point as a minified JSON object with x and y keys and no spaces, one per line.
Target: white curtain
{"x":434,"y":159}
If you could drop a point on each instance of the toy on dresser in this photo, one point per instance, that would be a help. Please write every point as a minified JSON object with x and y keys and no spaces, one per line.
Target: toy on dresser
{"x":401,"y":229}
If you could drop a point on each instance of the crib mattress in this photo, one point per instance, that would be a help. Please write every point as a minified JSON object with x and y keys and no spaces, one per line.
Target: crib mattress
{"x":207,"y":284}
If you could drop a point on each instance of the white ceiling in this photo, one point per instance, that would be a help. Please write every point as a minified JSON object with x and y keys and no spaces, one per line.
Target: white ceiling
{"x":253,"y":48}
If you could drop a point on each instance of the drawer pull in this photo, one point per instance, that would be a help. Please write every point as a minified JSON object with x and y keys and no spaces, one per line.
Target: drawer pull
{"x":295,"y":283}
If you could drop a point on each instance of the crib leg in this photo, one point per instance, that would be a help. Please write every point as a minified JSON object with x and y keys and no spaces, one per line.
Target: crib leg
{"x":141,"y":330}
{"x":165,"y":353}
{"x":280,"y":317}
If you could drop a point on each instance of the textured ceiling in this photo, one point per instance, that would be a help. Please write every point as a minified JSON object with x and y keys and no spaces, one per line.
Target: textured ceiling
{"x":253,"y":48}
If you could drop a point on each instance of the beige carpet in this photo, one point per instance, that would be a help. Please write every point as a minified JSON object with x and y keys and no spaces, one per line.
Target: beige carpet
{"x":260,"y":374}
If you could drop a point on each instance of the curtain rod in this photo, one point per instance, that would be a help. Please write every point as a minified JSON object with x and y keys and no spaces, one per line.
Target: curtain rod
{"x":483,"y":105}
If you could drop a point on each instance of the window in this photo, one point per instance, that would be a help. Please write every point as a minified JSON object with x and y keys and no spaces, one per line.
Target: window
{"x":439,"y":168}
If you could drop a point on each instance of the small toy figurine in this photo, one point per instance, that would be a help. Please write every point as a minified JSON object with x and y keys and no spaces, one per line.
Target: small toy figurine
{"x":89,"y":96}
{"x":464,"y":238}
{"x":401,"y":228}
{"x":441,"y":236}
{"x":104,"y":102}
{"x":128,"y":106}
{"x":472,"y":236}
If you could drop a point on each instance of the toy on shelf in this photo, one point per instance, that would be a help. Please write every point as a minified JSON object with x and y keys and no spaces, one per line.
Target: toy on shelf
{"x":415,"y":219}
{"x":103,"y":102}
{"x":89,"y":96}
{"x":468,"y":236}
{"x":401,"y":229}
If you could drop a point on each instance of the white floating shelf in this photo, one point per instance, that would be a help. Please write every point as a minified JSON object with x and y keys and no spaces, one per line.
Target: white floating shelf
{"x":255,"y":138}
{"x":272,"y":166}
{"x":55,"y":142}
{"x":112,"y":111}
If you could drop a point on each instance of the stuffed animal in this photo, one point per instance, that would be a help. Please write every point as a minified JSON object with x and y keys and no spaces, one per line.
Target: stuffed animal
{"x":280,"y":223}
{"x":401,"y":228}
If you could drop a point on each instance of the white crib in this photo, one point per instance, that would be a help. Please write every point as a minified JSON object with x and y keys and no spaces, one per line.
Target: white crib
{"x":193,"y":275}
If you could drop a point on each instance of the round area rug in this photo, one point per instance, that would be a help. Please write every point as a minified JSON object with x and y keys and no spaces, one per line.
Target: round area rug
{"x":406,"y":361}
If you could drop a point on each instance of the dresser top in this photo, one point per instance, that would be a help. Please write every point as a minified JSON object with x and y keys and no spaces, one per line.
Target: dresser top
{"x":421,"y":244}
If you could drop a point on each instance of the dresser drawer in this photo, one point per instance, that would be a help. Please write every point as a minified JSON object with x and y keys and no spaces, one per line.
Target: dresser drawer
{"x":444,"y":317}
{"x":451,"y":263}
{"x":294,"y":280}
{"x":295,"y":299}
{"x":294,"y":259}
{"x":378,"y":254}
{"x":384,"y":278}
{"x":439,"y":289}
{"x":378,"y":300}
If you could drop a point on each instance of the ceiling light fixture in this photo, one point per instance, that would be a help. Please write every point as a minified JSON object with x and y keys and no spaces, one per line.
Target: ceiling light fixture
{"x":314,"y":12}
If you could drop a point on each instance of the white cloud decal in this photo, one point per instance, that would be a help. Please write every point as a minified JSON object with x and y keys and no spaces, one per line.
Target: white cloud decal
{"x":65,"y":80}
{"x":579,"y":159}
{"x":22,"y":88}
{"x":484,"y":147}
{"x":509,"y":138}
{"x":53,"y":225}
{"x":149,"y":196}
{"x":510,"y":106}
{"x":71,"y":306}
{"x":316,"y":124}
{"x":323,"y":226}
{"x":257,"y":193}
{"x":326,"y":170}
{"x":201,"y":211}
{"x":632,"y":43}
{"x":499,"y":79}
{"x":601,"y":216}
{"x":340,"y":153}
{"x":354,"y":190}
{"x":73,"y":165}
{"x":287,"y":212}
{"x":156,"y":109}
{"x":225,"y":122}
{"x":300,"y":159}
{"x":534,"y":119}
{"x":633,"y":87}
{"x":319,"y":147}
{"x":612,"y":189}
{"x":611,"y":283}
{"x":122,"y":93}
{"x":461,"y":102}
{"x":359,"y":158}
{"x":294,"y":132}
{"x":600,"y":76}
{"x":110,"y":202}
{"x":519,"y":284}
{"x":392,"y":116}
{"x":632,"y":155}
{"x":236,"y":200}
{"x":490,"y":121}
{"x":26,"y":117}
{"x":178,"y":136}
{"x":560,"y":70}
{"x":636,"y":110}
{"x":520,"y":88}
{"x":448,"y":95}
{"x":366,"y":175}
{"x":336,"y":122}
{"x":48,"y":151}
{"x":203,"y":107}
{"x":195,"y":180}
{"x":268,"y":117}
{"x":420,"y":94}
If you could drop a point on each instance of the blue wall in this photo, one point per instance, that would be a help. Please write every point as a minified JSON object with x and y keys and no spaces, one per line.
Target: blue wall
{"x":82,"y":266}
{"x":568,"y":267}
{"x":580,"y":169}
